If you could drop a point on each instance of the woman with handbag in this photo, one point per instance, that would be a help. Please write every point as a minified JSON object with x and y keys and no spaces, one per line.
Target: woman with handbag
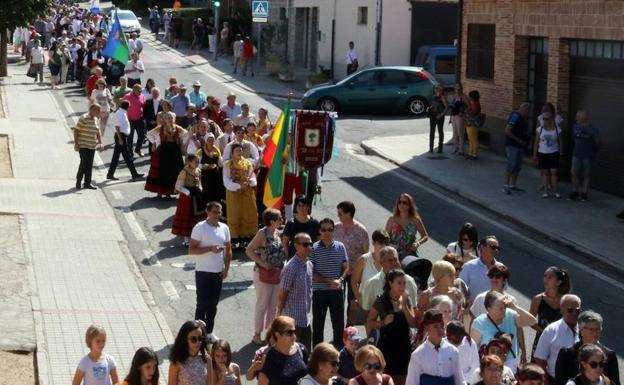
{"x":266,"y":250}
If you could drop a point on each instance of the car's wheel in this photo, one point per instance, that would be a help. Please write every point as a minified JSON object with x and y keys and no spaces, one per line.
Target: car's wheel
{"x":417,"y":106}
{"x":328,"y":105}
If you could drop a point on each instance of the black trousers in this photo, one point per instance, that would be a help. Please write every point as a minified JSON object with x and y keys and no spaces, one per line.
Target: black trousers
{"x":121,"y":147}
{"x":304,"y":336}
{"x":208,"y":292}
{"x":321,"y":301}
{"x":137,"y":126}
{"x":86,"y":165}
{"x":432,"y":126}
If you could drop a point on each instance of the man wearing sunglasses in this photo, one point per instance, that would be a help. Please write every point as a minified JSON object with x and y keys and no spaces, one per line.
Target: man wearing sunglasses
{"x":475,"y":271}
{"x":330,"y":261}
{"x":558,"y":335}
{"x":295,"y":295}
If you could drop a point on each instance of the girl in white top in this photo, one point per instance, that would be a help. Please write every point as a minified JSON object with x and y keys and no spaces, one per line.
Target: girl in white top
{"x":102,"y":96}
{"x":466,"y":244}
{"x":546,"y":151}
{"x":368,"y":264}
{"x":96,"y":368}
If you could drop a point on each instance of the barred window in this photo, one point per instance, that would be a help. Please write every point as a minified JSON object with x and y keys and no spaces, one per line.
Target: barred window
{"x":480,"y":51}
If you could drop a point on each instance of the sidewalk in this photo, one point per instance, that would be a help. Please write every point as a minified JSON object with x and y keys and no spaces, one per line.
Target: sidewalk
{"x":589,"y":227}
{"x":261,"y":83}
{"x":82,"y":272}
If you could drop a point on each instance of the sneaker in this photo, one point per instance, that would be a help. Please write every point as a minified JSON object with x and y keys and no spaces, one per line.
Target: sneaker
{"x":506,"y":190}
{"x":212,"y":338}
{"x":557,"y":196}
{"x":584,"y":198}
{"x":573,"y":196}
{"x":89,"y":186}
{"x":545,"y":195}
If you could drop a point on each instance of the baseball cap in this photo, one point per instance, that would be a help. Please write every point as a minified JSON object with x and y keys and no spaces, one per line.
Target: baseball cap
{"x":352,"y":334}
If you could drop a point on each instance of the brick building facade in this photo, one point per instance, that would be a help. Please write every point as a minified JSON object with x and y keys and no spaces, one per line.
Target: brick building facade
{"x":567,"y":52}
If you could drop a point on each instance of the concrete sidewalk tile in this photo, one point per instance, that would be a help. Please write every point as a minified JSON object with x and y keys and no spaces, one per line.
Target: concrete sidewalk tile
{"x":481,"y":182}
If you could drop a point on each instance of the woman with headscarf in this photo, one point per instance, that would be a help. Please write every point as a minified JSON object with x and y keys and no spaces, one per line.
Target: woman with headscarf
{"x":166,"y":162}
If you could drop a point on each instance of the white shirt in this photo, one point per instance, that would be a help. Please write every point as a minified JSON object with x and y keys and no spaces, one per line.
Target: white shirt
{"x":255,"y":155}
{"x":208,"y":235}
{"x":223,"y":140}
{"x":600,"y":382}
{"x":134,"y":67}
{"x":232,"y":112}
{"x":237,"y":47}
{"x":121,"y":120}
{"x":36,"y":54}
{"x":556,"y":336}
{"x":454,"y":247}
{"x":508,"y":376}
{"x":351,"y":56}
{"x":468,"y":356}
{"x":441,"y":362}
{"x":241,"y":120}
{"x":548,"y":140}
{"x":478,"y":306}
{"x":474,"y":273}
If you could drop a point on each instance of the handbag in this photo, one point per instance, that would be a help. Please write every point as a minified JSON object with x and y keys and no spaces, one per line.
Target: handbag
{"x":32,"y":72}
{"x":271,"y":275}
{"x":356,"y":315}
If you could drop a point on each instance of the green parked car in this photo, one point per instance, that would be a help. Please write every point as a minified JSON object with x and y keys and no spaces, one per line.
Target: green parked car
{"x":379,"y":89}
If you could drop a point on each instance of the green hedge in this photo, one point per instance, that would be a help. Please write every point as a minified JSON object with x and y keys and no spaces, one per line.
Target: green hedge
{"x":188,"y":14}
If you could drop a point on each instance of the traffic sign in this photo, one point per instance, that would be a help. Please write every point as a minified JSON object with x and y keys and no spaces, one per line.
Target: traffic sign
{"x":259,"y":11}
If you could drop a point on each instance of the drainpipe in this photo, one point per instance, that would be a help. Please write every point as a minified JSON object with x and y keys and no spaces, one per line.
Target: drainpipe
{"x":333,"y":43}
{"x":458,"y":58}
{"x":378,"y":32}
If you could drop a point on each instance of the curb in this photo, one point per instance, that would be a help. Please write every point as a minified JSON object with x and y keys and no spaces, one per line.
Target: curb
{"x":584,"y":251}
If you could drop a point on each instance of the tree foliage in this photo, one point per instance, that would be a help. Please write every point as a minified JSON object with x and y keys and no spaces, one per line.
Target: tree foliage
{"x":14,"y":13}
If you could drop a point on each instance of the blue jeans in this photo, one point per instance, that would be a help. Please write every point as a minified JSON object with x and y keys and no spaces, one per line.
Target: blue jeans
{"x":514,"y":159}
{"x":581,"y":166}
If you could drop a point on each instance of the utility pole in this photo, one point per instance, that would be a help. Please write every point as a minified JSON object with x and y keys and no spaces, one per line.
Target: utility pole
{"x":217,"y":7}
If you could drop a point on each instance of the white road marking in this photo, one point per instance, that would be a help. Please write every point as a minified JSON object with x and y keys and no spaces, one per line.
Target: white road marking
{"x":349,"y":147}
{"x":190,"y":287}
{"x":170,"y":290}
{"x":181,"y":265}
{"x":134,"y":225}
{"x":117,"y":195}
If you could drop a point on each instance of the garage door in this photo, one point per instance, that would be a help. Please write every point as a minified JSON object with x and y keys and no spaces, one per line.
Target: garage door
{"x":597,"y":86}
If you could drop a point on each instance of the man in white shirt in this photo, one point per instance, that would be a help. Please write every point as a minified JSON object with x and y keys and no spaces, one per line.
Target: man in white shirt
{"x":352,"y":59}
{"x":210,"y":242}
{"x":232,"y":109}
{"x":245,"y":116}
{"x":37,"y":60}
{"x":558,"y":335}
{"x":237,"y":47}
{"x":435,"y":360}
{"x":474,"y":272}
{"x":135,"y":44}
{"x":122,"y":130}
{"x":134,"y":69}
{"x":228,"y":135}
{"x":250,"y":151}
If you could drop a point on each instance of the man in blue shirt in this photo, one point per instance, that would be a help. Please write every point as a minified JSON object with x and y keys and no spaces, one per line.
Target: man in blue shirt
{"x":179,"y":103}
{"x":586,"y":141}
{"x":516,"y":140}
{"x":198,"y":98}
{"x":330,"y":262}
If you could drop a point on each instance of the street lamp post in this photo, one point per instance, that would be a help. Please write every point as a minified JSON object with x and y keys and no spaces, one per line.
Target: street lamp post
{"x":216,"y":6}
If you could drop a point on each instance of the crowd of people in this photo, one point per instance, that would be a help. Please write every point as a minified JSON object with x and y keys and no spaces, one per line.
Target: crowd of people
{"x":461,"y":327}
{"x":447,"y":322}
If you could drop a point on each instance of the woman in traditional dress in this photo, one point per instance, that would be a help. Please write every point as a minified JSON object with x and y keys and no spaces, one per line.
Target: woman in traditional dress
{"x":190,"y":209}
{"x":239,"y":181}
{"x":166,"y":162}
{"x":210,"y":162}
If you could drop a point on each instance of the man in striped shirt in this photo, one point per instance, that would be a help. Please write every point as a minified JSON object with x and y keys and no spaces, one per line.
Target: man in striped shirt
{"x":330,"y":264}
{"x":86,"y":139}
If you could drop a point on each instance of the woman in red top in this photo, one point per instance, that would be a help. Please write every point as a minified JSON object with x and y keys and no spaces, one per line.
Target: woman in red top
{"x":473,"y":122}
{"x":248,"y":56}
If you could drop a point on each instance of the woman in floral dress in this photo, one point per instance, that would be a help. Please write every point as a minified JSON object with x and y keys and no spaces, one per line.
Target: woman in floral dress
{"x":404,"y":227}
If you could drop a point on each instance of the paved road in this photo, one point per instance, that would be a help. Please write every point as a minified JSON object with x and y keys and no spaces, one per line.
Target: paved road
{"x":368,"y":181}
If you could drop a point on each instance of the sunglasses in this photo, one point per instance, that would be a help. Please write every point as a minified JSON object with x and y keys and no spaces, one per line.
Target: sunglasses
{"x":573,"y":310}
{"x":305,"y":244}
{"x":326,"y":230}
{"x":494,"y":247}
{"x":497,"y":276}
{"x":596,"y":364}
{"x":195,"y":339}
{"x":288,"y":332}
{"x":375,"y":366}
